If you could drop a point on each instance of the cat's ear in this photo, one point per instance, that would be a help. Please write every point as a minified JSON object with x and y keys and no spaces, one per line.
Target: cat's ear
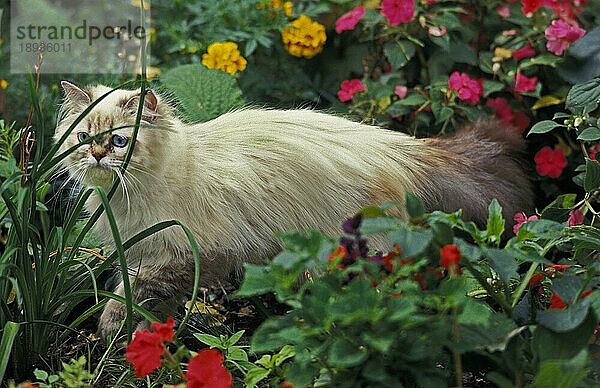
{"x":75,"y":94}
{"x":150,"y":105}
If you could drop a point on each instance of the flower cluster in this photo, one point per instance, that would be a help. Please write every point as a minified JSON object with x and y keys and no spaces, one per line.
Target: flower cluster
{"x":468,"y":89}
{"x":349,"y":88}
{"x":524,"y":84}
{"x":304,"y":38}
{"x":224,"y":56}
{"x":148,"y":349}
{"x":398,"y":11}
{"x":550,"y":162}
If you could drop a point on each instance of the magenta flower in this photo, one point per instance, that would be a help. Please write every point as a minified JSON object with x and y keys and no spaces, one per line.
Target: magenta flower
{"x":576,"y":217}
{"x":524,"y":52}
{"x":349,"y":20}
{"x":521,"y":218}
{"x":560,"y":35}
{"x":398,"y":11}
{"x":525,"y":84}
{"x":349,"y":88}
{"x":468,"y":89}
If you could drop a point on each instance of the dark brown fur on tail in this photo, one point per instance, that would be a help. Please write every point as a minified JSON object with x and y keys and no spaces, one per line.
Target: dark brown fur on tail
{"x":484,"y":160}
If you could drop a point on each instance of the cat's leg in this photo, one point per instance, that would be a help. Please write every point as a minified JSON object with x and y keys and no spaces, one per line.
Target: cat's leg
{"x":153,"y":286}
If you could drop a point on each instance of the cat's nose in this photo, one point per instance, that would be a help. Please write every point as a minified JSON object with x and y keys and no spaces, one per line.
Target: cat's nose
{"x":98,"y":152}
{"x":98,"y":157}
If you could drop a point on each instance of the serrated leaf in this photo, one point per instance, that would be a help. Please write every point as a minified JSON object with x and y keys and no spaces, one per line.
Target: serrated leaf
{"x":544,"y":126}
{"x":582,"y":95}
{"x":592,"y":175}
{"x":202,"y":93}
{"x":495,"y":222}
{"x":399,"y":53}
{"x":412,"y":242}
{"x":589,"y":134}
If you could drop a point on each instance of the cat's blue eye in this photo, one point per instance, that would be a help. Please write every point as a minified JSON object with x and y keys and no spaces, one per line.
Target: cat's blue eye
{"x":119,"y":141}
{"x":82,"y":136}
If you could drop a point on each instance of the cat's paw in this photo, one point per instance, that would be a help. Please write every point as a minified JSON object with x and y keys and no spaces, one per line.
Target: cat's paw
{"x":111,"y":319}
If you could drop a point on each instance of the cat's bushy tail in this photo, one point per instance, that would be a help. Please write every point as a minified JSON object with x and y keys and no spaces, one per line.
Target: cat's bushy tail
{"x":482,"y":161}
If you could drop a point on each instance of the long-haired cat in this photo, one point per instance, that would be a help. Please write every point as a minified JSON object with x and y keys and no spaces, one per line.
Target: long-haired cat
{"x":237,"y":179}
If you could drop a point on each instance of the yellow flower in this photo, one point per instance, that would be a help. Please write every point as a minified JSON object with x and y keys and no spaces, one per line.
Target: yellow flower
{"x":501,"y":54}
{"x":3,"y":84}
{"x":138,"y":4}
{"x":287,"y":8}
{"x":304,"y":38}
{"x":224,"y":56}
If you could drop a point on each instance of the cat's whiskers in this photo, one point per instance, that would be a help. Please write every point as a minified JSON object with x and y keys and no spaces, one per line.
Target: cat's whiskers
{"x":124,"y":190}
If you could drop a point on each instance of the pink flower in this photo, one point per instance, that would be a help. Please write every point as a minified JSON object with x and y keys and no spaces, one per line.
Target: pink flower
{"x":524,"y":52}
{"x":521,"y":218}
{"x":349,"y":20}
{"x":401,"y":91}
{"x":503,"y":11}
{"x":560,"y":35}
{"x":550,"y":162}
{"x":349,"y":88}
{"x":398,"y":11}
{"x":503,"y":111}
{"x":530,"y":6}
{"x":576,"y":217}
{"x":525,"y":84}
{"x":437,"y":31}
{"x":206,"y":370}
{"x":469,"y":89}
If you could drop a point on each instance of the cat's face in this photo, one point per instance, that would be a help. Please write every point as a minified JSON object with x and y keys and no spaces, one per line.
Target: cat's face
{"x":105,"y":133}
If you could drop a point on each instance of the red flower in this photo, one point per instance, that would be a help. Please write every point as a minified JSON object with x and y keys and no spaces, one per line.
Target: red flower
{"x":576,"y":217}
{"x":558,"y":267}
{"x":502,"y":110}
{"x":530,"y":6}
{"x":593,"y":151}
{"x":206,"y":370}
{"x":469,"y":89}
{"x":560,"y":35}
{"x":398,"y":11}
{"x":550,"y":162}
{"x":147,"y":348}
{"x":349,"y":20}
{"x":556,"y":303}
{"x":349,"y":88}
{"x":525,"y":84}
{"x":521,"y":218}
{"x":450,"y":258}
{"x":524,"y":52}
{"x":565,"y":9}
{"x":536,"y":280}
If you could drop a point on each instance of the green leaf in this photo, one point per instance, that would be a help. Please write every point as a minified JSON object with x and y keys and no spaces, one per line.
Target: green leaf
{"x":202,"y":93}
{"x":41,"y":375}
{"x":504,"y":263}
{"x":285,"y":353}
{"x":399,"y":53}
{"x":562,"y":373}
{"x":564,"y":320}
{"x":589,"y":134}
{"x":255,"y":375}
{"x":344,"y":354}
{"x":210,"y":340}
{"x":256,"y":281}
{"x":544,"y":126}
{"x":592,"y":175}
{"x":236,"y":353}
{"x":441,"y":113}
{"x":495,"y":222}
{"x":553,"y":345}
{"x":414,"y":205}
{"x":412,"y":100}
{"x":490,"y":87}
{"x":412,"y":242}
{"x":584,"y":95}
{"x":559,"y":209}
{"x":9,"y":333}
{"x":236,"y":337}
{"x":544,"y":60}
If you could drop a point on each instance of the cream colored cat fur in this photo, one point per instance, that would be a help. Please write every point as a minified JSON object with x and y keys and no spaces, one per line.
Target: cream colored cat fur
{"x":239,"y":178}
